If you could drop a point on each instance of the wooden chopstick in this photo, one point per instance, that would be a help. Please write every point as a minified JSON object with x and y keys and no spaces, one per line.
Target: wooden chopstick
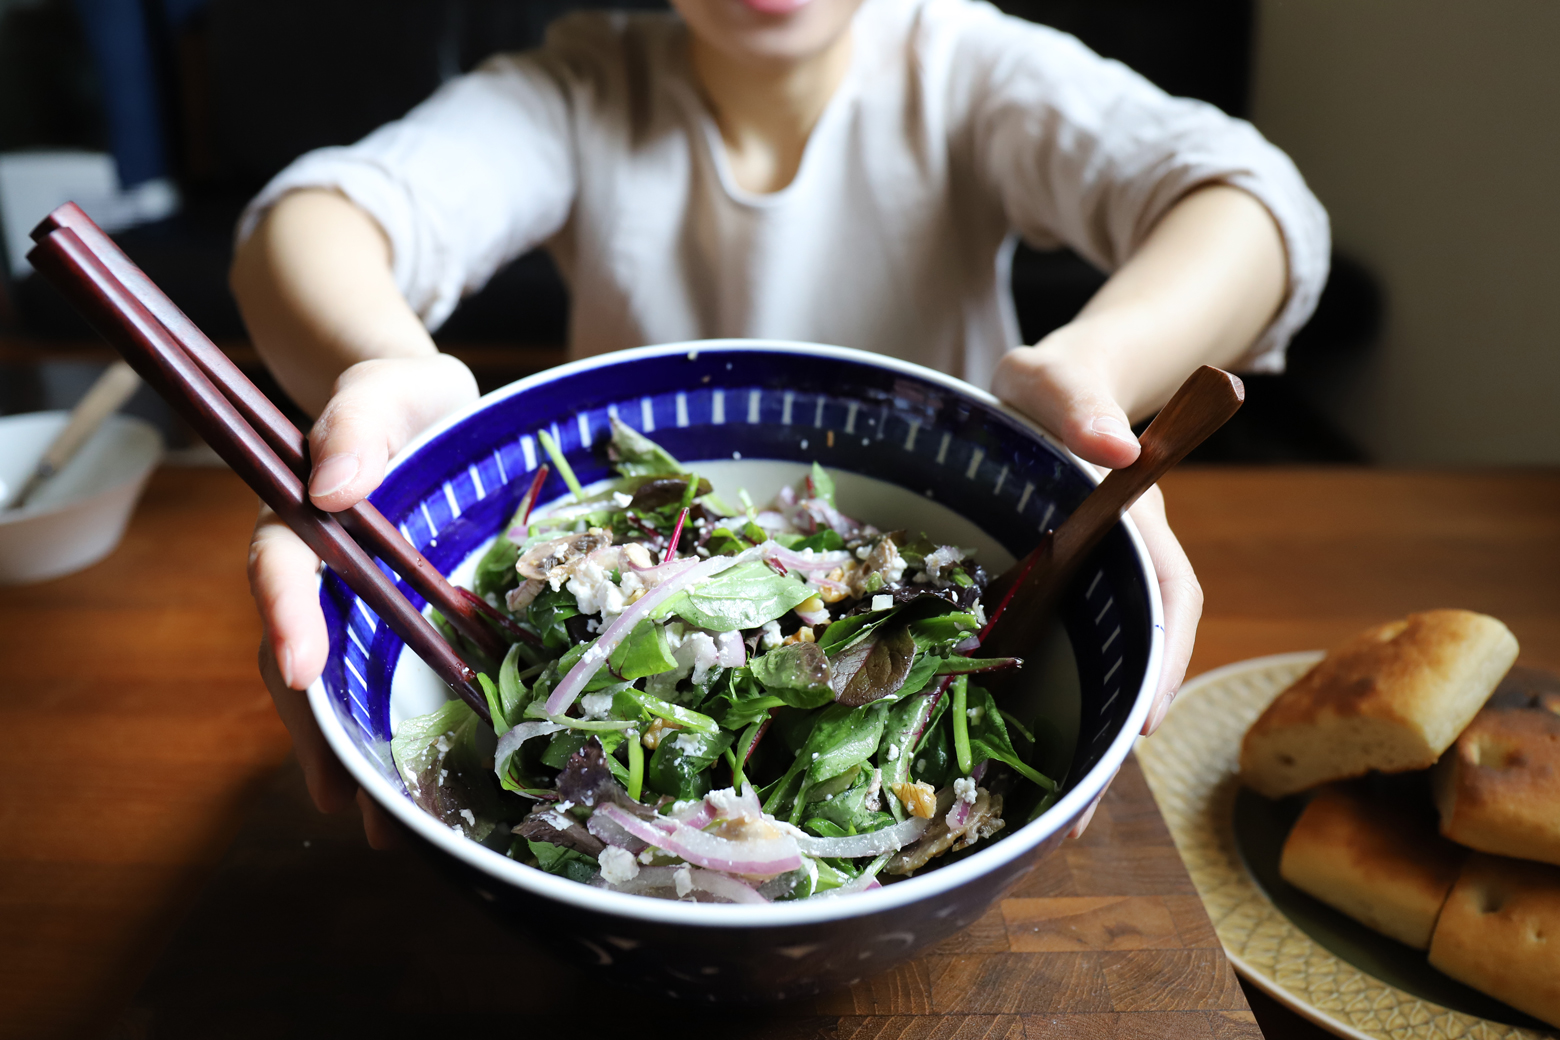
{"x":363,"y":520}
{"x":113,"y":388}
{"x":120,"y":318}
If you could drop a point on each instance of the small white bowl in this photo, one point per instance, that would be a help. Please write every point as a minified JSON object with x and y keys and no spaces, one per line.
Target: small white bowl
{"x":77,"y":517}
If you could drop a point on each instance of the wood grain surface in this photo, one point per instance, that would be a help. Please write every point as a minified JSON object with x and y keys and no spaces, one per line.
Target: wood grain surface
{"x":140,"y":740}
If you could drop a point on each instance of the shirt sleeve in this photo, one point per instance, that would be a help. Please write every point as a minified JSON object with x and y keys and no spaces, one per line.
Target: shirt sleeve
{"x":1082,"y":151}
{"x":468,"y":180}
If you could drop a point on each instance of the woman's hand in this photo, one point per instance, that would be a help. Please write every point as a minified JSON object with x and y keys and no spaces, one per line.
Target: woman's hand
{"x":1073,"y":397}
{"x":377,"y":407}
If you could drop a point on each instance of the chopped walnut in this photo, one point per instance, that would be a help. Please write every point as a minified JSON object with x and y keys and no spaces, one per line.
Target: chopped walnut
{"x":657,"y":730}
{"x":919,"y":799}
{"x":801,"y":635}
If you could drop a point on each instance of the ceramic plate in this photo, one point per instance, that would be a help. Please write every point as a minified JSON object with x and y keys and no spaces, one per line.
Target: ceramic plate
{"x":1314,"y":960}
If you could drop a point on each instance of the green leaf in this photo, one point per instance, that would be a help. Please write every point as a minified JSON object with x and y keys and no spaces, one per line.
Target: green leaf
{"x":636,"y":455}
{"x":944,"y":629}
{"x":563,"y":861}
{"x":841,"y":738}
{"x":822,"y":484}
{"x":678,"y":767}
{"x":745,"y":596}
{"x":964,"y":665}
{"x":496,"y":570}
{"x":796,"y":666}
{"x":826,"y":540}
{"x":631,"y":703}
{"x":547,"y":613}
{"x":644,"y":652}
{"x":847,"y":631}
{"x":562,"y":747}
{"x":988,"y":737}
{"x":846,"y":810}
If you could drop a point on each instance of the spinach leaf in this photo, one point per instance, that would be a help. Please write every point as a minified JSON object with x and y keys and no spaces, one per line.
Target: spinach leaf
{"x":636,"y":455}
{"x":745,"y":596}
{"x":822,"y":484}
{"x":842,"y":737}
{"x":496,"y":570}
{"x":942,"y":629}
{"x":846,"y":812}
{"x":629,"y":703}
{"x":826,"y":540}
{"x":681,"y":762}
{"x":748,"y":702}
{"x":644,"y":652}
{"x":875,"y":667}
{"x":848,"y":631}
{"x":989,"y":738}
{"x":506,"y":703}
{"x":556,"y":859}
{"x":548,"y":612}
{"x":563,"y":746}
{"x":934,"y":760}
{"x":796,"y":666}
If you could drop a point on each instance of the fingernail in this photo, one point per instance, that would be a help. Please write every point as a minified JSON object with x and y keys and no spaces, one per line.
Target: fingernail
{"x":1112,"y":427}
{"x":284,"y":663}
{"x":334,"y":473}
{"x":1160,"y":710}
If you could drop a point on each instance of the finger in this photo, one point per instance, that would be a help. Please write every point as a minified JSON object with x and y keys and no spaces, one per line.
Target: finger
{"x":377,"y":408}
{"x":1084,"y":820}
{"x":383,"y":831}
{"x":282,"y":579}
{"x":1071,"y":399}
{"x":1181,"y":594}
{"x":330,"y":785}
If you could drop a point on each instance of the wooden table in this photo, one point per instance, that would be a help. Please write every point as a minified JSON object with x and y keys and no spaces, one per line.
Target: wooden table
{"x":140,"y":741}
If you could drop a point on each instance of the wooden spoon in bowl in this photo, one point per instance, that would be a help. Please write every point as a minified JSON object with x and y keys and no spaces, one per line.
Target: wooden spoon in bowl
{"x":1022,"y":600}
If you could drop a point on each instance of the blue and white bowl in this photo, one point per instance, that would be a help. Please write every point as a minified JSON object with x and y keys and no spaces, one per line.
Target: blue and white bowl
{"x":912,"y":449}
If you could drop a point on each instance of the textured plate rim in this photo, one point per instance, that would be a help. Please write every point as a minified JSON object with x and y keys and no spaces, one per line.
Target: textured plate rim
{"x":1234,"y":868}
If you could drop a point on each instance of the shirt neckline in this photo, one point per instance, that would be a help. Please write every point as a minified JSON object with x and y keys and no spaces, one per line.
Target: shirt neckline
{"x":715,"y":145}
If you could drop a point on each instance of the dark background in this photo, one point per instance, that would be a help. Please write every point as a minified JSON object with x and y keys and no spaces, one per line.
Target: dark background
{"x":238,"y":88}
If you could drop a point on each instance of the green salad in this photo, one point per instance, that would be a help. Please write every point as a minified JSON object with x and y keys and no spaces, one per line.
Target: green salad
{"x":719,"y":702}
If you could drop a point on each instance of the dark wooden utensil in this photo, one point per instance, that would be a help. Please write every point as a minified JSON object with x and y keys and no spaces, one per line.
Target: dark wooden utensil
{"x":1022,"y":600}
{"x":146,"y":343}
{"x":367,"y":525}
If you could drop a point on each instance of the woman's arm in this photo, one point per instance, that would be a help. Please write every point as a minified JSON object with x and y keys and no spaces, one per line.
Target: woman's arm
{"x":1202,"y":287}
{"x":315,"y":286}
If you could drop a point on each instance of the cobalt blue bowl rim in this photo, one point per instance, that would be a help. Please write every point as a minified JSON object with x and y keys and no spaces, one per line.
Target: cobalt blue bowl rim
{"x":941,"y":882}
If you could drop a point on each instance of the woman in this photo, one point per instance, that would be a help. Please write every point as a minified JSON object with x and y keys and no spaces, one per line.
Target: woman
{"x":837,"y":171}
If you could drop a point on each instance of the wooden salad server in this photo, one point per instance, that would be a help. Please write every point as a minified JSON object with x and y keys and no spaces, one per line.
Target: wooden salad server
{"x":1022,"y":600}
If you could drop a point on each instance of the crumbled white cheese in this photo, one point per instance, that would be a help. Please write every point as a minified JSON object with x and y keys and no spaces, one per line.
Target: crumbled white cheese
{"x":726,"y":803}
{"x":683,"y":880}
{"x":863,"y":552}
{"x":893,"y":752}
{"x":980,"y":614}
{"x":623,"y":501}
{"x":563,"y":807}
{"x":471,"y":820}
{"x":872,"y":801}
{"x":647,"y":856}
{"x":815,"y":756}
{"x":882,"y":602}
{"x":688,"y":743}
{"x":769,"y":635}
{"x":941,"y":557}
{"x":617,"y":865}
{"x":557,"y":821}
{"x":976,"y":713}
{"x":594,"y":591}
{"x":596,"y":705}
{"x":964,"y":789}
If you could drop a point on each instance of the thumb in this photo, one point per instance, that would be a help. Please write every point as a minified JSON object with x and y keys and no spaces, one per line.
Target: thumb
{"x":377,"y":408}
{"x":1070,"y":399}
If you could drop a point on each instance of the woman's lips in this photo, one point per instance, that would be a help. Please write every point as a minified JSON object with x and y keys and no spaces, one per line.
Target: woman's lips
{"x":774,"y":7}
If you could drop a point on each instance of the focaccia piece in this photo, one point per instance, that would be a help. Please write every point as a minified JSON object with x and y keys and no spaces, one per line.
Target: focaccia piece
{"x":1500,"y":933}
{"x":1392,"y":699}
{"x":1379,"y":861}
{"x":1498,"y":787}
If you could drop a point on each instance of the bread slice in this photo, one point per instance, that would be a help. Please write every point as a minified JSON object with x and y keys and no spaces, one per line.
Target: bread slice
{"x":1498,"y":788}
{"x":1379,"y":861}
{"x":1500,"y":933}
{"x":1391,"y":699}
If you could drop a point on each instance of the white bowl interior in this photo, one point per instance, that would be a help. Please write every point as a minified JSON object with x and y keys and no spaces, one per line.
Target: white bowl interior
{"x":122,"y":450}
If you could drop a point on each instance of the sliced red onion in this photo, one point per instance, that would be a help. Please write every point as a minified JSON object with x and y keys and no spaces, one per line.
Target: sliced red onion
{"x":697,"y":815}
{"x":957,"y":816}
{"x":722,"y":887}
{"x":809,"y":561}
{"x":661,"y":882}
{"x":813,"y":617}
{"x":872,"y":843}
{"x":592,"y":660}
{"x":608,"y":830}
{"x":510,"y":742}
{"x":730,"y":652}
{"x":758,"y":856}
{"x":726,"y":804}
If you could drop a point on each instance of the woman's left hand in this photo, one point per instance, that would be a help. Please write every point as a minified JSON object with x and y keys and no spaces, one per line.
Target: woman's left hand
{"x":1074,"y":399}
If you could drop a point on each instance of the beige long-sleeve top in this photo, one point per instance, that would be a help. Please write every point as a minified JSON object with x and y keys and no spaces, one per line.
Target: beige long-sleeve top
{"x":956,"y":130}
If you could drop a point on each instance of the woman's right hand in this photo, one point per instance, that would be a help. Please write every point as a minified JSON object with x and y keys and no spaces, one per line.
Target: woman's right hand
{"x":376,"y":408}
